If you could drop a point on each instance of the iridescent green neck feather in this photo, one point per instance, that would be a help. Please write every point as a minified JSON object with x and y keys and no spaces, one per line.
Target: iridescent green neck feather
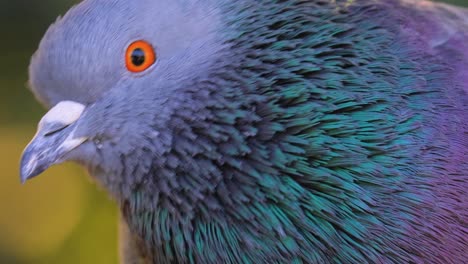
{"x":316,"y":138}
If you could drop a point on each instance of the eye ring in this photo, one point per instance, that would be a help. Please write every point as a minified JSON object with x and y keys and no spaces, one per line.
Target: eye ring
{"x":140,"y":55}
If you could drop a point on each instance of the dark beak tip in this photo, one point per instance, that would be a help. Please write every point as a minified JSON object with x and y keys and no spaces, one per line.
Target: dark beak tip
{"x":28,"y":170}
{"x":26,"y":175}
{"x":24,"y":179}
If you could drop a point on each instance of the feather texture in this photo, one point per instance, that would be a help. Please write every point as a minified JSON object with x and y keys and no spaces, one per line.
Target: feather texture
{"x":331,"y":133}
{"x":273,"y":131}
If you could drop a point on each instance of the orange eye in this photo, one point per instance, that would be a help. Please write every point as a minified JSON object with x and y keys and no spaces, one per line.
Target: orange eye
{"x":140,"y":56}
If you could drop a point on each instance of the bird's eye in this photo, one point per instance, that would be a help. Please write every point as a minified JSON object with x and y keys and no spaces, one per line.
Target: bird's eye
{"x":140,"y":56}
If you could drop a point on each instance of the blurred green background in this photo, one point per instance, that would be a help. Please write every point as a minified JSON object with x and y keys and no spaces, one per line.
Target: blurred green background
{"x":61,"y":217}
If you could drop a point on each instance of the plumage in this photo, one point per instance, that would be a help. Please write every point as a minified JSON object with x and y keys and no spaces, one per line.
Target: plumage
{"x":269,"y":131}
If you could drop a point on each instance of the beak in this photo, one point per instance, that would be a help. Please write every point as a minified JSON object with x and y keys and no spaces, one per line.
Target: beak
{"x":53,"y":140}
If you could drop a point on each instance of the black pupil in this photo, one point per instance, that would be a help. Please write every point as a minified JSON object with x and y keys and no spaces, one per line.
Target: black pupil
{"x":138,"y":57}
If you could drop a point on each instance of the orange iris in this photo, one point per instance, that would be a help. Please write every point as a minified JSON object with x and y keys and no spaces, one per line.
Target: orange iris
{"x":140,"y":56}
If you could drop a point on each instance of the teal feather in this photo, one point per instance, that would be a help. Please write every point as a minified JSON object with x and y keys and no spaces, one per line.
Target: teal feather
{"x":316,"y":140}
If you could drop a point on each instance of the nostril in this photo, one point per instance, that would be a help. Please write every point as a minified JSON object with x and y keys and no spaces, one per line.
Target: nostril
{"x":51,"y":129}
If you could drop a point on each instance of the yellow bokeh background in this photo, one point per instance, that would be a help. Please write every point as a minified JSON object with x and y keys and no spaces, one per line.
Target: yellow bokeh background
{"x":60,"y":216}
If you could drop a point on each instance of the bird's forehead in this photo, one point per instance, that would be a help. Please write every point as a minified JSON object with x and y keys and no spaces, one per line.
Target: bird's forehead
{"x":169,"y":24}
{"x":82,"y":54}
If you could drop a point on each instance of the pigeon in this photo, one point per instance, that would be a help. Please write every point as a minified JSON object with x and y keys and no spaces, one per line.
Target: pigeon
{"x":272,"y":131}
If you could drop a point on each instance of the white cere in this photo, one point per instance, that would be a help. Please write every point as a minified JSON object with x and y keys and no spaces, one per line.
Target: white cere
{"x":65,"y":112}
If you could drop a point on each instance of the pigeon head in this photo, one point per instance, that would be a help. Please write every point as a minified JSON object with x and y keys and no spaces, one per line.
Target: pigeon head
{"x":114,"y":72}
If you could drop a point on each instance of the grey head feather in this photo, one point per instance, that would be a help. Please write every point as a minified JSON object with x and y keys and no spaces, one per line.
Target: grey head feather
{"x":81,"y":56}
